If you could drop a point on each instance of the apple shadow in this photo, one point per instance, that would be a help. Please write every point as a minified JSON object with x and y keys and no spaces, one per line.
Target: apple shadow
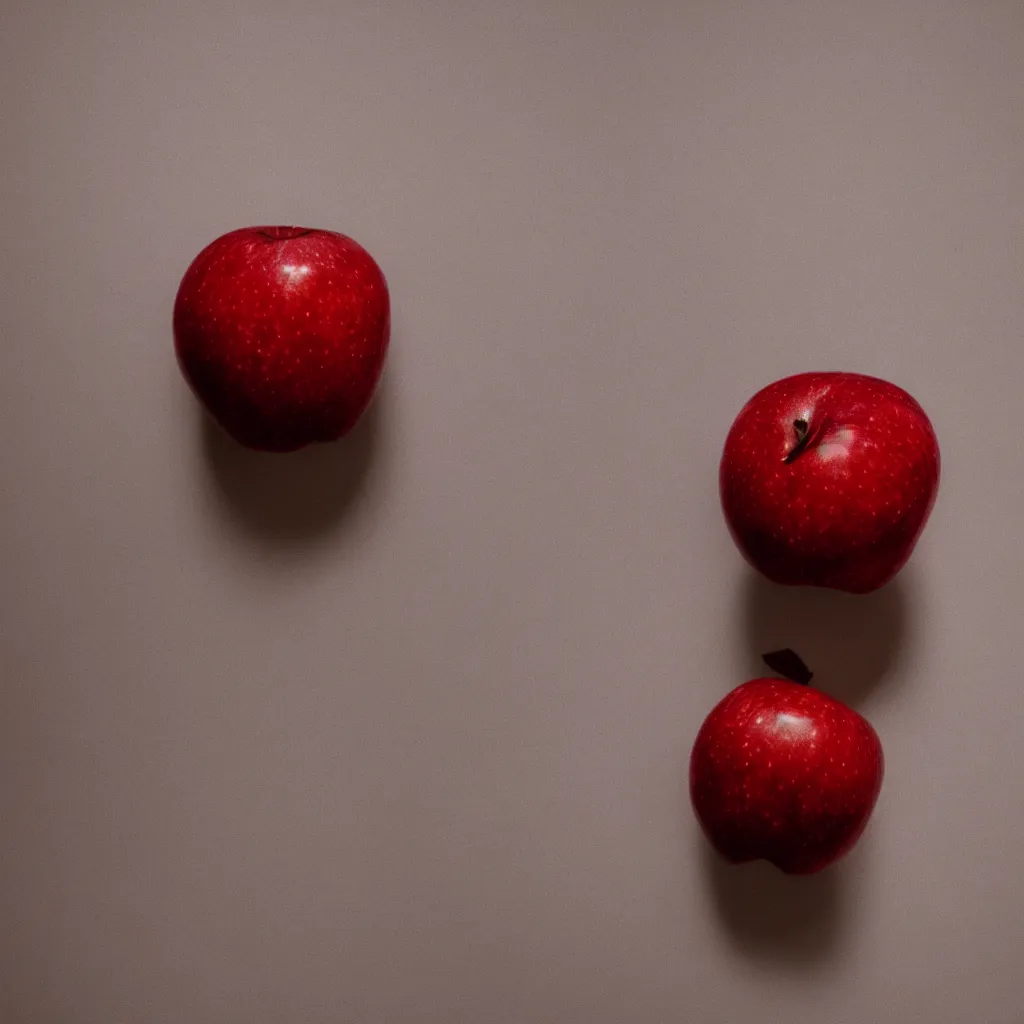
{"x":783,"y":920}
{"x":851,"y":642}
{"x":295,"y":497}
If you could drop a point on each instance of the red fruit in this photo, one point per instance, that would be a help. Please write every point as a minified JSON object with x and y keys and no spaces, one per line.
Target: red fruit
{"x":282,"y":333}
{"x":784,"y":773}
{"x":827,"y":479}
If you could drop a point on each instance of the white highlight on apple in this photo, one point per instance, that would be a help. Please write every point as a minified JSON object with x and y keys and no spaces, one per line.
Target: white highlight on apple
{"x":294,"y":273}
{"x":836,"y":445}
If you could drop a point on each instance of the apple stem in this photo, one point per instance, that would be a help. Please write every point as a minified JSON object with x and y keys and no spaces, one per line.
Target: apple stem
{"x":803,"y":434}
{"x":790,"y":665}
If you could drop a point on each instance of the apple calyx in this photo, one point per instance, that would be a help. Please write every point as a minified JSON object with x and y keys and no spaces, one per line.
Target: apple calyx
{"x":802,"y":429}
{"x":789,"y":665}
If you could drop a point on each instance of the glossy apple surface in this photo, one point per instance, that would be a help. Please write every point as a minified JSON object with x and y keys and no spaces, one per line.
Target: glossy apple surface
{"x":827,"y":479}
{"x":784,"y":773}
{"x":282,"y":334}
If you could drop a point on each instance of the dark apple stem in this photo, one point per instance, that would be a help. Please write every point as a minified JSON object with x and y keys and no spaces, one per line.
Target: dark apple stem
{"x":788,"y":664}
{"x":803,"y":434}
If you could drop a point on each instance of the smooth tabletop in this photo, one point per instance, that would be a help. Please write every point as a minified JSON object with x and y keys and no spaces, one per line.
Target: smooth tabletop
{"x":396,"y":731}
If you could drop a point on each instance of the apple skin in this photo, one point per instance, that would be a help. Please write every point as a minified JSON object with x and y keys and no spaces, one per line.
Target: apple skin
{"x":844,"y":508}
{"x":784,"y":773}
{"x":282,"y":333}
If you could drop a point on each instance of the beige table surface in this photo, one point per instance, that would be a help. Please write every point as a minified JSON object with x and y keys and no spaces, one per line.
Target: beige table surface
{"x":397,"y":731}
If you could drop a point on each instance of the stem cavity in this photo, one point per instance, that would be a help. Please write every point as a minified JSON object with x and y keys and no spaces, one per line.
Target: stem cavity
{"x":802,"y":431}
{"x":284,"y":234}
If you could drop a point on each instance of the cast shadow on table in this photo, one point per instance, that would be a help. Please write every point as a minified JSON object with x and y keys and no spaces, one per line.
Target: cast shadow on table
{"x":299,"y":496}
{"x":785,"y":920}
{"x":851,"y":642}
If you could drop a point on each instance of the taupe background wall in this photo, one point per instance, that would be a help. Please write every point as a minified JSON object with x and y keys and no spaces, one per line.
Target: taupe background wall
{"x":397,"y":731}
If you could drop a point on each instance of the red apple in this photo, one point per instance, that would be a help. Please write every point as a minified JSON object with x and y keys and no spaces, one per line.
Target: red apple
{"x":784,"y":773}
{"x":827,"y":479}
{"x":282,"y":333}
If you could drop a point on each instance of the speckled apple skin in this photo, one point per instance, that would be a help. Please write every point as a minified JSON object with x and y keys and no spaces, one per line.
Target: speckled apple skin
{"x":282,"y":333}
{"x":784,"y":773}
{"x":848,"y":509}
